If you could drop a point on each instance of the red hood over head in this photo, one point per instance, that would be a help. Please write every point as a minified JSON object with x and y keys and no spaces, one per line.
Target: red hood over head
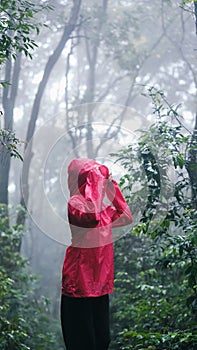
{"x":87,"y":177}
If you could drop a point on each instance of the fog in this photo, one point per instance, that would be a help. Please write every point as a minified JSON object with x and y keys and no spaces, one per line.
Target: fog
{"x":83,"y":95}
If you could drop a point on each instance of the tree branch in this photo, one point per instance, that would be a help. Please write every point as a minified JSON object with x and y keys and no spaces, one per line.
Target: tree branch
{"x":68,"y":29}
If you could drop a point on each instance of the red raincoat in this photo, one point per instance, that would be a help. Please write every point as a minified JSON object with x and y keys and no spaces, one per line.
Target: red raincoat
{"x":88,"y":269}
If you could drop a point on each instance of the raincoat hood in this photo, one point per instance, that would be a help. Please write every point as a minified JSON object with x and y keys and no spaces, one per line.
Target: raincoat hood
{"x":88,"y":178}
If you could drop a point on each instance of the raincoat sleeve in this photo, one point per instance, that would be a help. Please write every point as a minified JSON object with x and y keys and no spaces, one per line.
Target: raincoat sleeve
{"x":81,"y":212}
{"x":120,"y":214}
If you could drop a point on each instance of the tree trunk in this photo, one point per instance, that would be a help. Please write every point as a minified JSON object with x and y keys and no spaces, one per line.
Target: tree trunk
{"x":9,"y":98}
{"x":192,"y":165}
{"x":68,"y":29}
{"x":195,"y":10}
{"x":192,"y":154}
{"x":92,"y":55}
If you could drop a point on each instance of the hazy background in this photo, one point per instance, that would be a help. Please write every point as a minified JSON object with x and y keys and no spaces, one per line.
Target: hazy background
{"x":91,"y":104}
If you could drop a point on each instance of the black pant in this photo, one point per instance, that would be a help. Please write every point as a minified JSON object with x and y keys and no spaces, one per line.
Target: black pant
{"x":85,"y":322}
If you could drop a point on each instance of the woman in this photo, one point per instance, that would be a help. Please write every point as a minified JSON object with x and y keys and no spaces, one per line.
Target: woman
{"x":88,"y":269}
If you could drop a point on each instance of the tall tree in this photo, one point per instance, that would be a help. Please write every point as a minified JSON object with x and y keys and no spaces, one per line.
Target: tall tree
{"x":68,"y":29}
{"x":17,"y":22}
{"x":192,"y":154}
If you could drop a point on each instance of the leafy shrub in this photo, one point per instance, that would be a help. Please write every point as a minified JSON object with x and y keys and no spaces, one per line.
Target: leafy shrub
{"x":155,"y":303}
{"x":25,"y":322}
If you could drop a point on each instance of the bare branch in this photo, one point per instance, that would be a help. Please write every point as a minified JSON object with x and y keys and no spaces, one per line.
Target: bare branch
{"x":110,"y":86}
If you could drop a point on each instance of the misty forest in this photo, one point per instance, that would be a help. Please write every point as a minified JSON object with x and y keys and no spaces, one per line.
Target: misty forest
{"x":114,"y":81}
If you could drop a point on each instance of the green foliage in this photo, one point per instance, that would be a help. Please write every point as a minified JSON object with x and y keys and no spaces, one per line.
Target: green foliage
{"x":187,"y":1}
{"x":149,"y":307}
{"x":9,"y":143}
{"x":17,"y":22}
{"x":189,"y":6}
{"x":155,"y":304}
{"x":25,"y":321}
